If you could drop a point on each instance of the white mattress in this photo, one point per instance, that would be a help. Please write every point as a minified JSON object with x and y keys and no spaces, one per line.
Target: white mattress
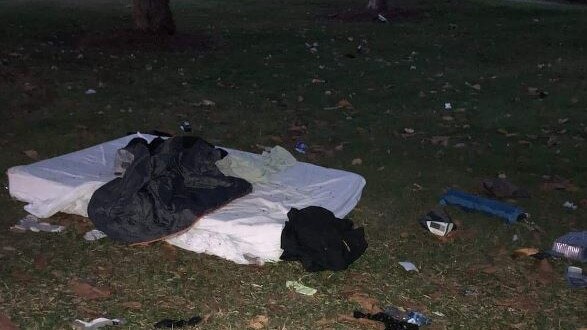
{"x":247,"y":228}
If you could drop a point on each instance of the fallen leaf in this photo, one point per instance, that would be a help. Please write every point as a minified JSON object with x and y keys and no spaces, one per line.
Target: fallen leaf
{"x":489,"y":269}
{"x":525,"y":252}
{"x":476,"y":87}
{"x":104,"y":270}
{"x":6,"y":324}
{"x":206,"y":318}
{"x":32,"y":154}
{"x":357,"y":161}
{"x":132,"y":305}
{"x":259,"y":322}
{"x":85,"y":290}
{"x":344,"y":104}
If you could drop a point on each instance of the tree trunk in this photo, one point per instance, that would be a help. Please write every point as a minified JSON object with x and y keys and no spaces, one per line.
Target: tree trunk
{"x":153,"y":16}
{"x":377,"y":5}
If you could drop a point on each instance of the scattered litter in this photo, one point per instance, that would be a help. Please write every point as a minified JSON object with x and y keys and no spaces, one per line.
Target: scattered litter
{"x":418,"y":319}
{"x":470,"y":202}
{"x":470,"y":292}
{"x":572,"y":245}
{"x":208,"y":103}
{"x":570,"y":205}
{"x":447,"y":106}
{"x":301,"y":147}
{"x":357,"y":161}
{"x":313,"y":48}
{"x":168,"y":323}
{"x":476,"y":87}
{"x":91,"y":91}
{"x":300,"y":288}
{"x":408,"y":266}
{"x":533,"y":91}
{"x":30,"y":222}
{"x":382,"y":19}
{"x":409,"y":130}
{"x":575,"y":277}
{"x":96,"y":323}
{"x":515,"y":238}
{"x":438,"y":314}
{"x":94,"y":235}
{"x":391,"y":323}
{"x":362,"y":47}
{"x":502,"y":188}
{"x":185,"y":126}
{"x":438,"y":222}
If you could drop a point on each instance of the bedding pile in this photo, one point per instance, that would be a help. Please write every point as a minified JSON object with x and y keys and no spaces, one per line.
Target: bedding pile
{"x":240,"y":217}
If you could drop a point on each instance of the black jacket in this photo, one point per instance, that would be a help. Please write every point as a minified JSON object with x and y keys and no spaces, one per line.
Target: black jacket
{"x":168,"y":185}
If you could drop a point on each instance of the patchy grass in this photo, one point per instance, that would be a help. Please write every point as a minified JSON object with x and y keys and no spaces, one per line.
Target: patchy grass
{"x":489,"y":61}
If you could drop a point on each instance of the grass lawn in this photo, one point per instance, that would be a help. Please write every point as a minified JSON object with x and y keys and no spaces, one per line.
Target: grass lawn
{"x":515,"y":76}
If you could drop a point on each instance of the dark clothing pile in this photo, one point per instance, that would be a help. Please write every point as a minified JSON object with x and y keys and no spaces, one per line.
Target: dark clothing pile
{"x":321,"y":241}
{"x":166,"y":187}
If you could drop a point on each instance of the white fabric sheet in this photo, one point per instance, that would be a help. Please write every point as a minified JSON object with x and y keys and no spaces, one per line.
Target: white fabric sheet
{"x":249,"y":228}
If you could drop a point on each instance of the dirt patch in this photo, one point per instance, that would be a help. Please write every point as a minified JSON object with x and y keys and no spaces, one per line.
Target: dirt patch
{"x":354,"y":15}
{"x":128,"y":39}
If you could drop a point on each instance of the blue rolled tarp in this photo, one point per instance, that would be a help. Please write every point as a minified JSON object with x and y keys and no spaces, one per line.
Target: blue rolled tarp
{"x":470,"y":202}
